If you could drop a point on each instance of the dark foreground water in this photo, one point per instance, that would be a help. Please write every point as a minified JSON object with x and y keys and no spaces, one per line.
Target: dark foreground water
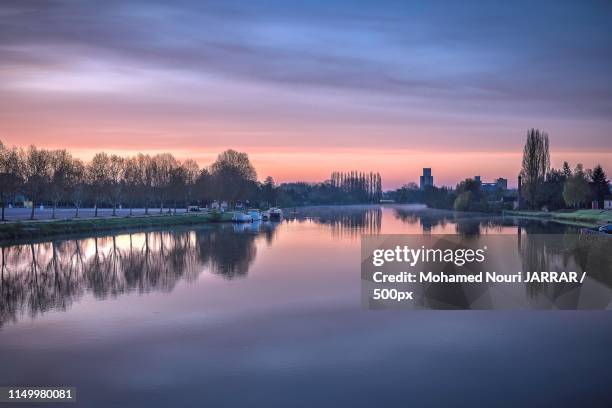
{"x":269,"y":315}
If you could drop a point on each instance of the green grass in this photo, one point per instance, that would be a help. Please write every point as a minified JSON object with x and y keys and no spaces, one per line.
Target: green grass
{"x":36,"y":229}
{"x":582,"y":217}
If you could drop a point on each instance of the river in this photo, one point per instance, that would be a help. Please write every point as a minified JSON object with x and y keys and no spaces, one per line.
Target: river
{"x":269,"y":314}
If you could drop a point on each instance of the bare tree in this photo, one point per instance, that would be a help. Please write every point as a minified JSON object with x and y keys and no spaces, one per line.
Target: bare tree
{"x":60,"y":162}
{"x":163,"y":165}
{"x":10,"y":174}
{"x":192,"y":172}
{"x":203,"y":189}
{"x":77,"y":184}
{"x":178,"y":185}
{"x":145,"y":172}
{"x":233,"y":175}
{"x":132,"y":180}
{"x":98,"y":171}
{"x":536,"y":164}
{"x":36,"y":164}
{"x":115,"y":180}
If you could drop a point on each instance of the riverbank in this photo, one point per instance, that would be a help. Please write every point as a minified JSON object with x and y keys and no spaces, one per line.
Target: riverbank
{"x":583,"y":218}
{"x":36,"y":229}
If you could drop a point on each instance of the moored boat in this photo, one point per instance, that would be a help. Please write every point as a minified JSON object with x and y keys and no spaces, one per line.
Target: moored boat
{"x":241,"y":217}
{"x":276,"y":214}
{"x":255,"y":215}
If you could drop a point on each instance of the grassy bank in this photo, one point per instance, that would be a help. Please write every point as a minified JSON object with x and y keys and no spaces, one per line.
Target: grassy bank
{"x":37,"y":229}
{"x":590,"y":218}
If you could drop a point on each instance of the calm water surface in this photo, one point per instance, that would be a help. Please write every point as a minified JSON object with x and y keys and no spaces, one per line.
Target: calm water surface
{"x":269,"y":314}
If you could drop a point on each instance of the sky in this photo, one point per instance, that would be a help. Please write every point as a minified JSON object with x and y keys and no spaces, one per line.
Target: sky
{"x":311,"y":87}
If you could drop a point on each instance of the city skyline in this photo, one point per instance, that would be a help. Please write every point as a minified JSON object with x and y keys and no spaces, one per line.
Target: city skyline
{"x":314,"y":88}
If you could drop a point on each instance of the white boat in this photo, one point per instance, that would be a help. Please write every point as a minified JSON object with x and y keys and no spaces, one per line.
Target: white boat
{"x":241,"y":217}
{"x":255,"y":215}
{"x":276,"y":214}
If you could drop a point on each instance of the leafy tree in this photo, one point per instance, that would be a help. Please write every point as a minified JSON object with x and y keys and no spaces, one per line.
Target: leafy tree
{"x":469,"y":196}
{"x":408,"y":193}
{"x":600,"y":185}
{"x":567,"y":171}
{"x":470,"y":185}
{"x":439,"y":197}
{"x":269,"y":192}
{"x":536,"y":163}
{"x":576,"y":190}
{"x":552,"y":189}
{"x":463,"y":202}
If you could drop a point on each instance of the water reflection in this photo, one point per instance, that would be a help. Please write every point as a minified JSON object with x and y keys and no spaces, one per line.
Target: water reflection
{"x":292,"y":330}
{"x":571,"y":252}
{"x":346,"y":221}
{"x":426,"y":219}
{"x":38,"y":277}
{"x":449,"y":222}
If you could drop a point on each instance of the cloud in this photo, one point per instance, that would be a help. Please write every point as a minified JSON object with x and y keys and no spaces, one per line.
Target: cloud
{"x":431,"y":74}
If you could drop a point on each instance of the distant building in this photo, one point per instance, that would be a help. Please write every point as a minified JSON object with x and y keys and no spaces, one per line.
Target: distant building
{"x":501,"y":184}
{"x":426,"y":178}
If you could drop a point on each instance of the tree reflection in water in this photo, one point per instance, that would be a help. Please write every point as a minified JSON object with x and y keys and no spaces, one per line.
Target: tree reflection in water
{"x":426,"y":218}
{"x":542,"y":246}
{"x":38,"y":277}
{"x":472,"y":224}
{"x":567,"y":252}
{"x":344,"y":221}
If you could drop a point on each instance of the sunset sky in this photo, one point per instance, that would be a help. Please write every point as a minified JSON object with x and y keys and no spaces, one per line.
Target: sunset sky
{"x":310,"y":87}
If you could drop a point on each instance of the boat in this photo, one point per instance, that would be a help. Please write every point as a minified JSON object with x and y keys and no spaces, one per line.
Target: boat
{"x":600,"y":230}
{"x":255,"y":215}
{"x":241,"y":217}
{"x":275,"y":214}
{"x":265,"y":215}
{"x":606,"y":229}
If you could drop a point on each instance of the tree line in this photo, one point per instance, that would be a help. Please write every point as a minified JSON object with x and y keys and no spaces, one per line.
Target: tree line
{"x":361,"y":186}
{"x":546,"y":187}
{"x":161,"y":181}
{"x":150,"y":181}
{"x":352,"y":187}
{"x":542,"y":186}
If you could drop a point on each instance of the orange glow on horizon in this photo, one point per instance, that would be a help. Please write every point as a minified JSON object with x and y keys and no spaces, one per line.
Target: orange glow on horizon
{"x":397,"y":167}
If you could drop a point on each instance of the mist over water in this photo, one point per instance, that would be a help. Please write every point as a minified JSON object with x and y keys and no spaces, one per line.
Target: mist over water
{"x":269,"y":313}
